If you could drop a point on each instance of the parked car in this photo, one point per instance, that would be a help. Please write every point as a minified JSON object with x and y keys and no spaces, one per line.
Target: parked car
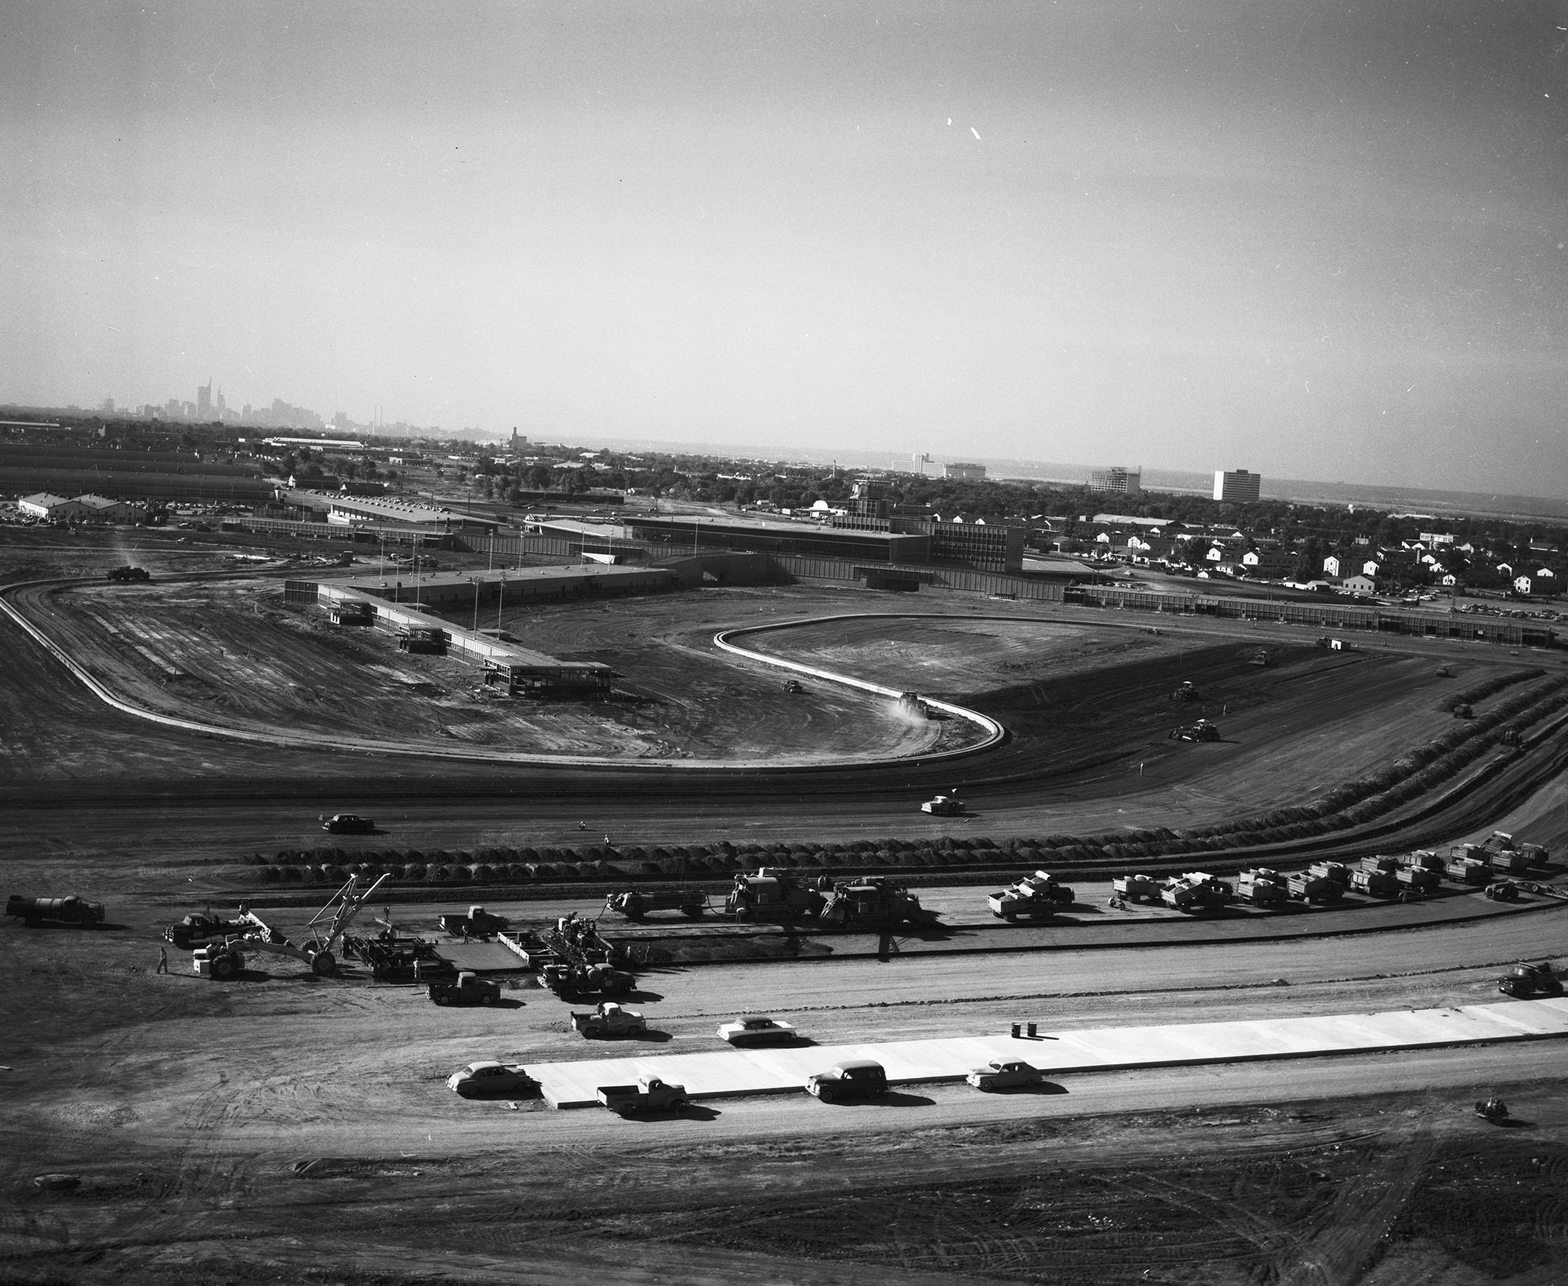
{"x":492,"y":1080}
{"x":348,"y":824}
{"x":756,"y":1031}
{"x":1005,"y":1074}
{"x":853,"y":1078}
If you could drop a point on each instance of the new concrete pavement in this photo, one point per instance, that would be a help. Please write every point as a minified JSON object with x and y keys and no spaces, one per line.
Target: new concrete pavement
{"x":723,"y":1071}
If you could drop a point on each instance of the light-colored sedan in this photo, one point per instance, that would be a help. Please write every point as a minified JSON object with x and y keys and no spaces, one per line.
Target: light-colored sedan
{"x":492,"y":1080}
{"x":1006,"y":1074}
{"x":756,"y":1031}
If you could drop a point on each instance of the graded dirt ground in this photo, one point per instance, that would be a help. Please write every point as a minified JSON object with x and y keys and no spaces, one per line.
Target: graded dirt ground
{"x":285,"y":1127}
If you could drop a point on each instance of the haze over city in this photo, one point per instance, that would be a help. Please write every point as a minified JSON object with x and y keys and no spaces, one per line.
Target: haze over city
{"x":1313,"y":242}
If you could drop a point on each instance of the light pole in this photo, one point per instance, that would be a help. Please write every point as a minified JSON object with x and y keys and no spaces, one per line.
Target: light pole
{"x":500,"y":598}
{"x":476,"y":606}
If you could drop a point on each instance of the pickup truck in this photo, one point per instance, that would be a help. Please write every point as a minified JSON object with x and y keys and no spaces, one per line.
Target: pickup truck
{"x":466,"y":989}
{"x":610,"y":1019}
{"x":649,"y":1094}
{"x":853,"y":1078}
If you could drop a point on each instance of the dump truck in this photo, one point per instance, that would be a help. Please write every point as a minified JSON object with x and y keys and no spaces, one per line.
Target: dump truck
{"x":649,"y":1094}
{"x":468,"y":988}
{"x":1376,"y":884}
{"x":1336,"y":871}
{"x":875,"y":902}
{"x":66,"y":910}
{"x":1418,"y":880}
{"x":1262,"y":886}
{"x":1526,"y":980}
{"x":1316,"y":890}
{"x":1467,"y":870}
{"x":1136,"y":888}
{"x":476,"y":923}
{"x":1196,"y":891}
{"x":774,"y":894}
{"x":635,"y":904}
{"x":1501,"y":842}
{"x":944,"y":806}
{"x":609,"y":1020}
{"x":1202,"y":730}
{"x":1034,"y":895}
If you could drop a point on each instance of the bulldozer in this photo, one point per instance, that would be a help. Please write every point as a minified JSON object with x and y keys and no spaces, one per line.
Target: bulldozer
{"x":1186,"y":690}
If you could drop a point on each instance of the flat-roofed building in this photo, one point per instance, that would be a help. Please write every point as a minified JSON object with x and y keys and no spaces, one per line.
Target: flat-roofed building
{"x":1237,"y":484}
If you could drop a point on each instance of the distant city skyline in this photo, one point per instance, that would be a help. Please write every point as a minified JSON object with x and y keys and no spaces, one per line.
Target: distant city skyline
{"x":1327,"y":240}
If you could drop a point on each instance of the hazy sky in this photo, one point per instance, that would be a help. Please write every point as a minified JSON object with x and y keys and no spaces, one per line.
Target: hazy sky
{"x":1312,"y":239}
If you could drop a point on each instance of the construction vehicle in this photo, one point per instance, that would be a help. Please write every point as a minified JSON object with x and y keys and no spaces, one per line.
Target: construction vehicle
{"x":608,"y":1021}
{"x":1336,"y":871}
{"x":1262,"y":886}
{"x":1262,"y":656}
{"x":1418,"y":881}
{"x":129,"y":574}
{"x":774,"y":894}
{"x":468,"y":988}
{"x":944,"y":806}
{"x":477,"y":923}
{"x":1316,"y":890}
{"x":1034,"y":895}
{"x":1501,"y":891}
{"x":201,"y":927}
{"x":67,"y":910}
{"x":1503,"y":842}
{"x":1462,"y":710}
{"x":1492,"y":1109}
{"x":1136,"y":888}
{"x":851,"y":1079}
{"x":635,"y":904}
{"x":794,"y":686}
{"x":875,"y":902}
{"x":599,"y":979}
{"x":1186,"y":690}
{"x":223,"y":960}
{"x":649,"y":1094}
{"x":1526,"y":980}
{"x":1196,"y":891}
{"x":1202,"y":730}
{"x":1376,"y":883}
{"x":1467,"y":870}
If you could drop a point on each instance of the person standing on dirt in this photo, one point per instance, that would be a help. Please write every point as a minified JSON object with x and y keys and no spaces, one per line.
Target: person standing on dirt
{"x":163,"y":960}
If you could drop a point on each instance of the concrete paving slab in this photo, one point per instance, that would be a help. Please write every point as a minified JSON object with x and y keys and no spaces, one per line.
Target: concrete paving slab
{"x":722,"y":1072}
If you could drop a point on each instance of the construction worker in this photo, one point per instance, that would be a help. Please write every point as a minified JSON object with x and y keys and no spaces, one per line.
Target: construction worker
{"x":163,"y":960}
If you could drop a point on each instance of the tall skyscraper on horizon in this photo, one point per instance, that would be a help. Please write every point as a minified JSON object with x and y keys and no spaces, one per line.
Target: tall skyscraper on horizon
{"x":204,"y":400}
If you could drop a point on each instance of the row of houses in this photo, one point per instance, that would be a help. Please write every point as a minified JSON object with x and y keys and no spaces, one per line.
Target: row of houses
{"x":1434,"y":561}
